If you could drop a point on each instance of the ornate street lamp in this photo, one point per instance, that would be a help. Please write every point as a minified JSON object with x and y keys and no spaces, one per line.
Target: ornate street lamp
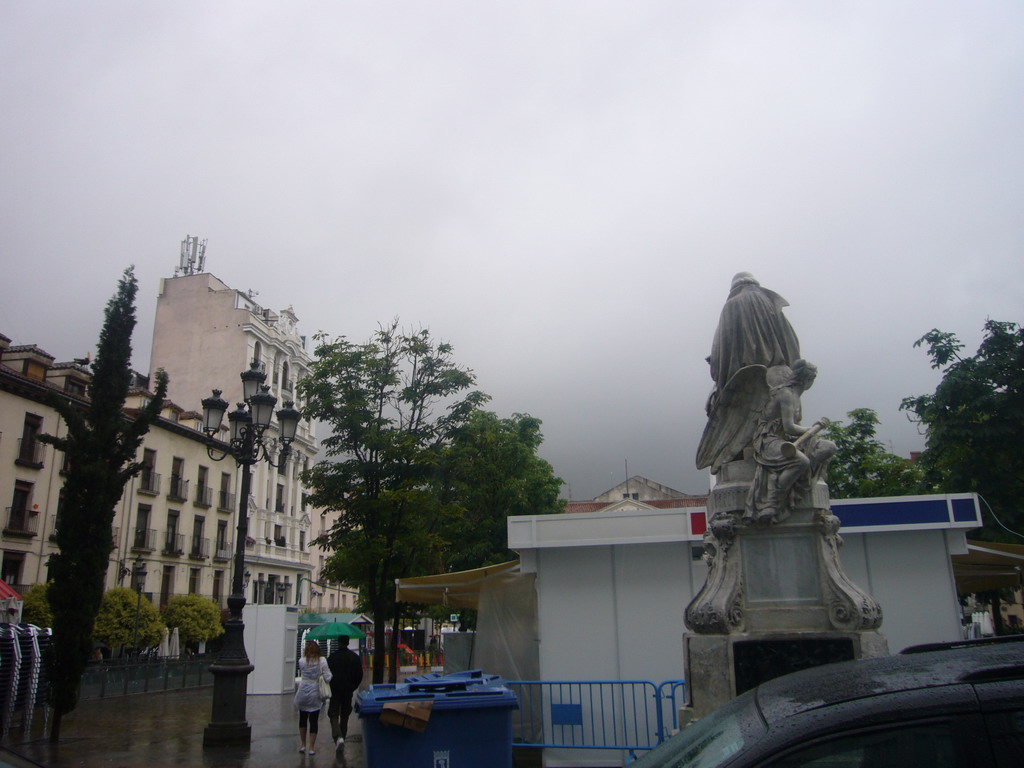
{"x":247,"y":446}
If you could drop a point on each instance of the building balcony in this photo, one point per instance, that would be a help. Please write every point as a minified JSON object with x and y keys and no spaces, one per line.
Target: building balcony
{"x":204,"y":496}
{"x":21,"y":523}
{"x":149,"y":482}
{"x":178,"y":489}
{"x":30,"y":453}
{"x":226,"y":501}
{"x":224,"y":551}
{"x":199,"y":548}
{"x":174,"y":543}
{"x":144,"y":539}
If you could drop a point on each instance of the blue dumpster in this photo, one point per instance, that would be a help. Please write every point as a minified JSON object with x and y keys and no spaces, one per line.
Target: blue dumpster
{"x":463,"y":720}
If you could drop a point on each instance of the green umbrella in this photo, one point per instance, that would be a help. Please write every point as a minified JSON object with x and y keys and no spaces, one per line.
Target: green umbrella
{"x":333,"y":630}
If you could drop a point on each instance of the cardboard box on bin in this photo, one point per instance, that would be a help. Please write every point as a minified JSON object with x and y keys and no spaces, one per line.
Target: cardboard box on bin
{"x":413,"y":715}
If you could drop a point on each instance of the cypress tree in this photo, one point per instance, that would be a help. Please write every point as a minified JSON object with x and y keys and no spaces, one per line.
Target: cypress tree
{"x":100,"y":447}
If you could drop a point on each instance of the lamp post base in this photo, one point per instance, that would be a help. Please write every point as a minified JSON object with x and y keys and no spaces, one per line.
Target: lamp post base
{"x":228,"y":726}
{"x":227,"y":735}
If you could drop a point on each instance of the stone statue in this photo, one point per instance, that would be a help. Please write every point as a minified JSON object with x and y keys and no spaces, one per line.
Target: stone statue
{"x":774,"y":578}
{"x":790,"y":457}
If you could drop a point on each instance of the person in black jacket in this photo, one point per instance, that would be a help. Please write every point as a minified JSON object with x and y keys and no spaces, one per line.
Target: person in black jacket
{"x":347,"y":674}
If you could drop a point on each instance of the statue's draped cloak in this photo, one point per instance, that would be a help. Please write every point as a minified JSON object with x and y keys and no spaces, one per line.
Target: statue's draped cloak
{"x":752,"y":331}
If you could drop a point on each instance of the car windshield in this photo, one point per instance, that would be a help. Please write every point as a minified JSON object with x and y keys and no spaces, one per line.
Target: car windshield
{"x":711,"y":741}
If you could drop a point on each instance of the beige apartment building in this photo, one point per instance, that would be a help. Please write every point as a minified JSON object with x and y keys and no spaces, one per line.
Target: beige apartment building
{"x":205,"y":335}
{"x":178,"y":517}
{"x":175,"y":518}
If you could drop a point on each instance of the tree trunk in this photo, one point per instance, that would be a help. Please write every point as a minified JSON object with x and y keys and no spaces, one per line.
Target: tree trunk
{"x":396,"y":640}
{"x":379,"y":644}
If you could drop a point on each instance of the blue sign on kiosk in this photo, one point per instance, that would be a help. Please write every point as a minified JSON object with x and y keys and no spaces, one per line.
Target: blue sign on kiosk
{"x":462,"y":720}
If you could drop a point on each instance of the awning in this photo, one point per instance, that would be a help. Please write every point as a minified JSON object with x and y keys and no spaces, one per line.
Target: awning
{"x":7,"y":591}
{"x":459,"y":590}
{"x":988,"y":566}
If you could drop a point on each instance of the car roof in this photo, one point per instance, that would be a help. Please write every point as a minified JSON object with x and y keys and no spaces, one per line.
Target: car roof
{"x":915,"y":668}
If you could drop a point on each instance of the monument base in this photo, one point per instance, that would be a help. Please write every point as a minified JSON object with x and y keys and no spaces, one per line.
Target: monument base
{"x":720,"y":667}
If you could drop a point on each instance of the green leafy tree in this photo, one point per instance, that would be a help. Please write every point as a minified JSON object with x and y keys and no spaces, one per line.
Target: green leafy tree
{"x":100,"y":446}
{"x":36,"y":608}
{"x":197,"y":619}
{"x":492,"y":471}
{"x":392,"y":405}
{"x":862,"y":467}
{"x":115,"y":621}
{"x":974,"y":421}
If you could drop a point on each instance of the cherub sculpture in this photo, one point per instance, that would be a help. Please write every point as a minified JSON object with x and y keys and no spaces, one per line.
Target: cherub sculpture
{"x":790,"y":457}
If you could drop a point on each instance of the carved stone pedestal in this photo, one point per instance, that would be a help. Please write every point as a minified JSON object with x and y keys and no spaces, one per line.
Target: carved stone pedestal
{"x":776,"y":597}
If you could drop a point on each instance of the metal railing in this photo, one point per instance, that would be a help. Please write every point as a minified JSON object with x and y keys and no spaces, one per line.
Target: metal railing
{"x":149,"y":482}
{"x":21,"y":521}
{"x":626,"y":715}
{"x":174,"y":543}
{"x":204,"y":495}
{"x":30,"y":452}
{"x":144,"y":538}
{"x":225,"y":501}
{"x":115,"y":678}
{"x":199,"y":548}
{"x":178,"y":490}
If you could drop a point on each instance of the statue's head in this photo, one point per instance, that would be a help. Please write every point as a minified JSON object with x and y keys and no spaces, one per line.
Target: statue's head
{"x":804,"y":373}
{"x":743,"y":278}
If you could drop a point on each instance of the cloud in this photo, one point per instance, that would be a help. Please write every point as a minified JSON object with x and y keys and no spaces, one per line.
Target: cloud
{"x":563,"y":191}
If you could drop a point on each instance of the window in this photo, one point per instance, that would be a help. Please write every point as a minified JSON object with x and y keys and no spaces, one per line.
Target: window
{"x":203,"y":490}
{"x":193,"y":581}
{"x":302,"y":539}
{"x":222,"y":539}
{"x":279,"y":536}
{"x":218,"y":586}
{"x":257,"y":352}
{"x":142,"y":537}
{"x":198,"y":549}
{"x":56,"y":517}
{"x":18,"y":519}
{"x":279,"y":505}
{"x":166,"y":585}
{"x":285,"y":383}
{"x":227,"y":498}
{"x":179,"y":485}
{"x":149,"y":480}
{"x":172,"y":544}
{"x":10,"y":571}
{"x":30,"y":450}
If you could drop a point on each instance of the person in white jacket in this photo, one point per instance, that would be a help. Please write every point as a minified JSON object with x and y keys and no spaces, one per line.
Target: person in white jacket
{"x":307,"y":696}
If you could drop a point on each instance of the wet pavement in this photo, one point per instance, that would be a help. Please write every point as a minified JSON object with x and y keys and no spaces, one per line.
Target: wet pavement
{"x":166,"y":729}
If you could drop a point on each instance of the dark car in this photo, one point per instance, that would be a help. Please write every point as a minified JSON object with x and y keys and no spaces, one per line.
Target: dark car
{"x":938,"y":706}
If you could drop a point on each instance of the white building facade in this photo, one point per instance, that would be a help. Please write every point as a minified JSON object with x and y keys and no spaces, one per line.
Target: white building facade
{"x":205,"y":334}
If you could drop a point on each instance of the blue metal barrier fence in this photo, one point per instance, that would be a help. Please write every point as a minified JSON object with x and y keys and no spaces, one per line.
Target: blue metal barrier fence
{"x":628,"y":715}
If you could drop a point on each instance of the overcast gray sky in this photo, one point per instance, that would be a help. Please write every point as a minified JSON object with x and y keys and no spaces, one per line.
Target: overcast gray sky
{"x":562,"y":190}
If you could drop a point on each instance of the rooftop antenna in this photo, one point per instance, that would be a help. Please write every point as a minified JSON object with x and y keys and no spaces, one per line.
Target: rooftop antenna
{"x":193,"y":256}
